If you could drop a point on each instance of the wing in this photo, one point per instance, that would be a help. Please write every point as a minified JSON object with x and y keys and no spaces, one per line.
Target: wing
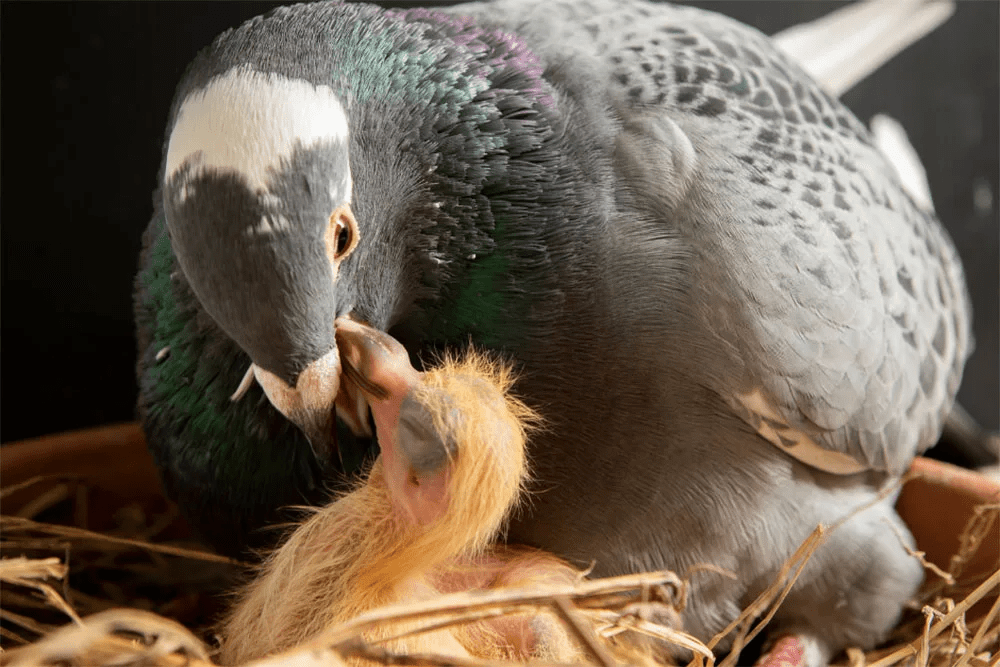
{"x":837,"y":303}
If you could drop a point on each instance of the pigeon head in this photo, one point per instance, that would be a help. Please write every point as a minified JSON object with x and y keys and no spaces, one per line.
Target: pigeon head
{"x":257,"y":194}
{"x":351,"y":161}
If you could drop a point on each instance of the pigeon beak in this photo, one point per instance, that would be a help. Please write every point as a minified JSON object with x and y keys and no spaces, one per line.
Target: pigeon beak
{"x":366,"y":369}
{"x":309,"y":404}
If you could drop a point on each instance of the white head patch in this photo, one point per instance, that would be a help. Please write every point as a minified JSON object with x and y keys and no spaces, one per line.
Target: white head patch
{"x":247,"y":121}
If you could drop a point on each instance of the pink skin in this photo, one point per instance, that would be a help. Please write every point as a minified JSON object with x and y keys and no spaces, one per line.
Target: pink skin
{"x":382,"y":361}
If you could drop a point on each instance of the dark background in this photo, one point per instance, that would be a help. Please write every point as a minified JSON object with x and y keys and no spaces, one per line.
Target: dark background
{"x":85,"y":93}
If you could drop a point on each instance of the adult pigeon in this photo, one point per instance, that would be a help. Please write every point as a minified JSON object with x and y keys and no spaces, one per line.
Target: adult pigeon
{"x":735,"y":321}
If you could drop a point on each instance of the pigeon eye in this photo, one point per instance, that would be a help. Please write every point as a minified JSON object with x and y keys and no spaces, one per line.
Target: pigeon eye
{"x":342,"y":234}
{"x":343,"y":238}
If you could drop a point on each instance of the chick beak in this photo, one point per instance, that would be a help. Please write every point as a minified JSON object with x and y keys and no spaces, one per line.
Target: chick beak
{"x":374,"y":365}
{"x":356,"y":343}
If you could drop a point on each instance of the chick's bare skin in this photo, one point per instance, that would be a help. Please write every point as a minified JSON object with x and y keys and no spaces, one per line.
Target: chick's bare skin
{"x":414,"y":452}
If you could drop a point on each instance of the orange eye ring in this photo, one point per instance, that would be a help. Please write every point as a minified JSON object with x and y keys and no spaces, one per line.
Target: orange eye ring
{"x":341,"y":234}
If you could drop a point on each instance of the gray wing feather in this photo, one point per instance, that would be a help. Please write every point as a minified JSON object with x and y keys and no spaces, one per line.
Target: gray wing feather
{"x":838,"y":304}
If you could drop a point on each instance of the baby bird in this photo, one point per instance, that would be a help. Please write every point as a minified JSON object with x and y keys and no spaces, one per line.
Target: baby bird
{"x":451,"y":469}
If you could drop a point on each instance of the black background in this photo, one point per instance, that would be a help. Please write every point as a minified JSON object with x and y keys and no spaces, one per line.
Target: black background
{"x":85,"y":93}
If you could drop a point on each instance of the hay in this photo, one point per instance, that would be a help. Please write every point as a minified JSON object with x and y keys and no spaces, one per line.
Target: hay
{"x":45,"y":585}
{"x":56,"y":571}
{"x":944,"y":606}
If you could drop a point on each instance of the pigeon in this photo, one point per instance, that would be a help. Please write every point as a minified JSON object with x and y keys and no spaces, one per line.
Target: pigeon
{"x":732,"y":316}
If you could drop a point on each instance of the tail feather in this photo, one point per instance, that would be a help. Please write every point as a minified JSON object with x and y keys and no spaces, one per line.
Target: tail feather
{"x":891,"y":139}
{"x":845,"y":46}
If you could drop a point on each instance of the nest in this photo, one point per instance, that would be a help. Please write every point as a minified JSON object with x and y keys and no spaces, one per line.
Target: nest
{"x":99,"y":582}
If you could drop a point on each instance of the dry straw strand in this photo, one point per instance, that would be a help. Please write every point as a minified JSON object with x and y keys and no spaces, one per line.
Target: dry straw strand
{"x":13,"y":523}
{"x":570,"y":616}
{"x":971,"y":538}
{"x":117,"y":636}
{"x":960,"y":609}
{"x":508,"y":600}
{"x":29,"y":572}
